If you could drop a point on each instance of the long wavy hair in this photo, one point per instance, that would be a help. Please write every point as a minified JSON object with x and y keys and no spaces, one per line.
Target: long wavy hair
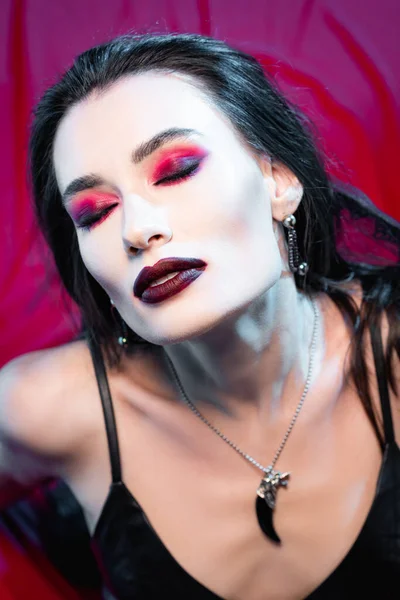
{"x":327,"y":216}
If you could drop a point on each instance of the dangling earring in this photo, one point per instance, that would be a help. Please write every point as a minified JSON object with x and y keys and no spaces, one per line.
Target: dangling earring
{"x":295,"y":265}
{"x":123,"y":337}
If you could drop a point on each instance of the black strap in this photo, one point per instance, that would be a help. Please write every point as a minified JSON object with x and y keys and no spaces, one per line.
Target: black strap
{"x":111,"y":426}
{"x":380,"y":366}
{"x":108,"y":410}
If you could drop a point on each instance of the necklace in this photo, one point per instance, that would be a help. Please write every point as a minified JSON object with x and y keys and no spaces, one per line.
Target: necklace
{"x":272,"y":479}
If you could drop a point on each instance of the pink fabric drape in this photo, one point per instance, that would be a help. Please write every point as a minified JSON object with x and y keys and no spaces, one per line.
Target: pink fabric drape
{"x":336,"y":58}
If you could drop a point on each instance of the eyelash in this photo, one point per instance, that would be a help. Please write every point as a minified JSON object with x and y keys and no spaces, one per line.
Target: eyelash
{"x":87,"y":223}
{"x":179,"y":175}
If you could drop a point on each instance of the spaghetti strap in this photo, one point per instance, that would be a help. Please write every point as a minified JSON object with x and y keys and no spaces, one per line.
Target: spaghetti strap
{"x":380,"y":367}
{"x":109,"y":416}
{"x":108,"y":410}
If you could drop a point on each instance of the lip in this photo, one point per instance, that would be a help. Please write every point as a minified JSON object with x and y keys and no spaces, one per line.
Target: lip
{"x":162,"y":268}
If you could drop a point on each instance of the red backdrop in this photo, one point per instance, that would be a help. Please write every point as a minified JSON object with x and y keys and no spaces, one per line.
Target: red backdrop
{"x":338,"y":59}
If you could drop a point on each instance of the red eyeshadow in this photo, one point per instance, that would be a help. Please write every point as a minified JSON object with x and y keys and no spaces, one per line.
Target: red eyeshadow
{"x":173,"y":159}
{"x":90,"y":205}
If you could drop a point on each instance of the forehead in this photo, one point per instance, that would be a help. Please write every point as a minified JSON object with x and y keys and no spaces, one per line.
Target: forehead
{"x":128,"y":113}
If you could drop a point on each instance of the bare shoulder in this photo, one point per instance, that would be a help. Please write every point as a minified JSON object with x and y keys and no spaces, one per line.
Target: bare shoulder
{"x":45,"y":399}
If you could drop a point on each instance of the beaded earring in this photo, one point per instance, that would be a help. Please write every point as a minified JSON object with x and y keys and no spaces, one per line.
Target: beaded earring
{"x":295,"y":263}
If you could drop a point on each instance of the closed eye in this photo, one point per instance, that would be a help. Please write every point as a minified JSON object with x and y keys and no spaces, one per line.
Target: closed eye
{"x":185,"y":173}
{"x":86,"y":222}
{"x":87,"y":219}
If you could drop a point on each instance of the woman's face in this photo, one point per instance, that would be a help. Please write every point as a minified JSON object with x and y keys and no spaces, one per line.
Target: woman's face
{"x":130,"y":215}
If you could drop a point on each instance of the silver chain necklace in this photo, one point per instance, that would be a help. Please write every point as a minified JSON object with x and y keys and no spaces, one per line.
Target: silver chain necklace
{"x":266,"y":492}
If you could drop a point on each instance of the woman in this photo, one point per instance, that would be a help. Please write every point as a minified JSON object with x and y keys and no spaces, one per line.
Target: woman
{"x":246,"y":369}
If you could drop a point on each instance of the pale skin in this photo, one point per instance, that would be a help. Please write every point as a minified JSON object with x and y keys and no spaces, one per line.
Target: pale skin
{"x":239,"y":338}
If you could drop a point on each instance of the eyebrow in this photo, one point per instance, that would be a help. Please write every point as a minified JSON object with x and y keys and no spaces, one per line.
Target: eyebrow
{"x":146,"y":148}
{"x":86,"y":182}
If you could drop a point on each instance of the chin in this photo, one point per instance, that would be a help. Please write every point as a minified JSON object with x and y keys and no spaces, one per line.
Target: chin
{"x":188,"y":323}
{"x":175,"y":335}
{"x":196,"y":312}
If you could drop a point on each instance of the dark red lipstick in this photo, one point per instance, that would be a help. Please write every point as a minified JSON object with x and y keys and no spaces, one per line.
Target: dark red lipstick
{"x":186,"y":269}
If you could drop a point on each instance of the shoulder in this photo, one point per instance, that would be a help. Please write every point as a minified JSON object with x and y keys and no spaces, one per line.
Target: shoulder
{"x":45,"y":399}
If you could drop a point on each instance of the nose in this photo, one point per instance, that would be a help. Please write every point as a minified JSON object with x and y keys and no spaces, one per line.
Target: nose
{"x":143,"y":226}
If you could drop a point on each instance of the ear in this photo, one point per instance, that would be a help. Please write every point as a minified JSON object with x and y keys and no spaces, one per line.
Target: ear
{"x":284,"y":188}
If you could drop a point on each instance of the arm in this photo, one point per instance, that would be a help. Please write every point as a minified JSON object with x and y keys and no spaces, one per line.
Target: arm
{"x":11,"y":490}
{"x":24,"y":459}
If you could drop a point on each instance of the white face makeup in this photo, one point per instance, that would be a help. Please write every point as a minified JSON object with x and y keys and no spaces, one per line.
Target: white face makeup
{"x":221,"y":213}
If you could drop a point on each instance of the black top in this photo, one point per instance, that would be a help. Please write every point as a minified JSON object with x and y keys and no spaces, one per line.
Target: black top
{"x":137,"y":566}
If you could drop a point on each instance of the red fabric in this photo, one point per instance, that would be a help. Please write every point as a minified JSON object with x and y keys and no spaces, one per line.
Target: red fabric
{"x":26,"y":573}
{"x":336,"y":58}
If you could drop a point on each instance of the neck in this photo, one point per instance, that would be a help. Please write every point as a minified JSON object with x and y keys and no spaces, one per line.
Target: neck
{"x":253,"y":360}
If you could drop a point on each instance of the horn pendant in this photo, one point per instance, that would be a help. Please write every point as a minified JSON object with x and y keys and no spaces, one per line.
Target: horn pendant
{"x":266,"y":501}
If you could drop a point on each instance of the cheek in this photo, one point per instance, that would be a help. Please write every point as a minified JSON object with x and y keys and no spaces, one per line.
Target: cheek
{"x":240,"y":208}
{"x":240,"y":237}
{"x":252,"y":240}
{"x":101,"y":260}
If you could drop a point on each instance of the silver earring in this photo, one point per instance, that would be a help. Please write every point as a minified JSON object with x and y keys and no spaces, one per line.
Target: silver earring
{"x":295,"y":264}
{"x":123,"y":337}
